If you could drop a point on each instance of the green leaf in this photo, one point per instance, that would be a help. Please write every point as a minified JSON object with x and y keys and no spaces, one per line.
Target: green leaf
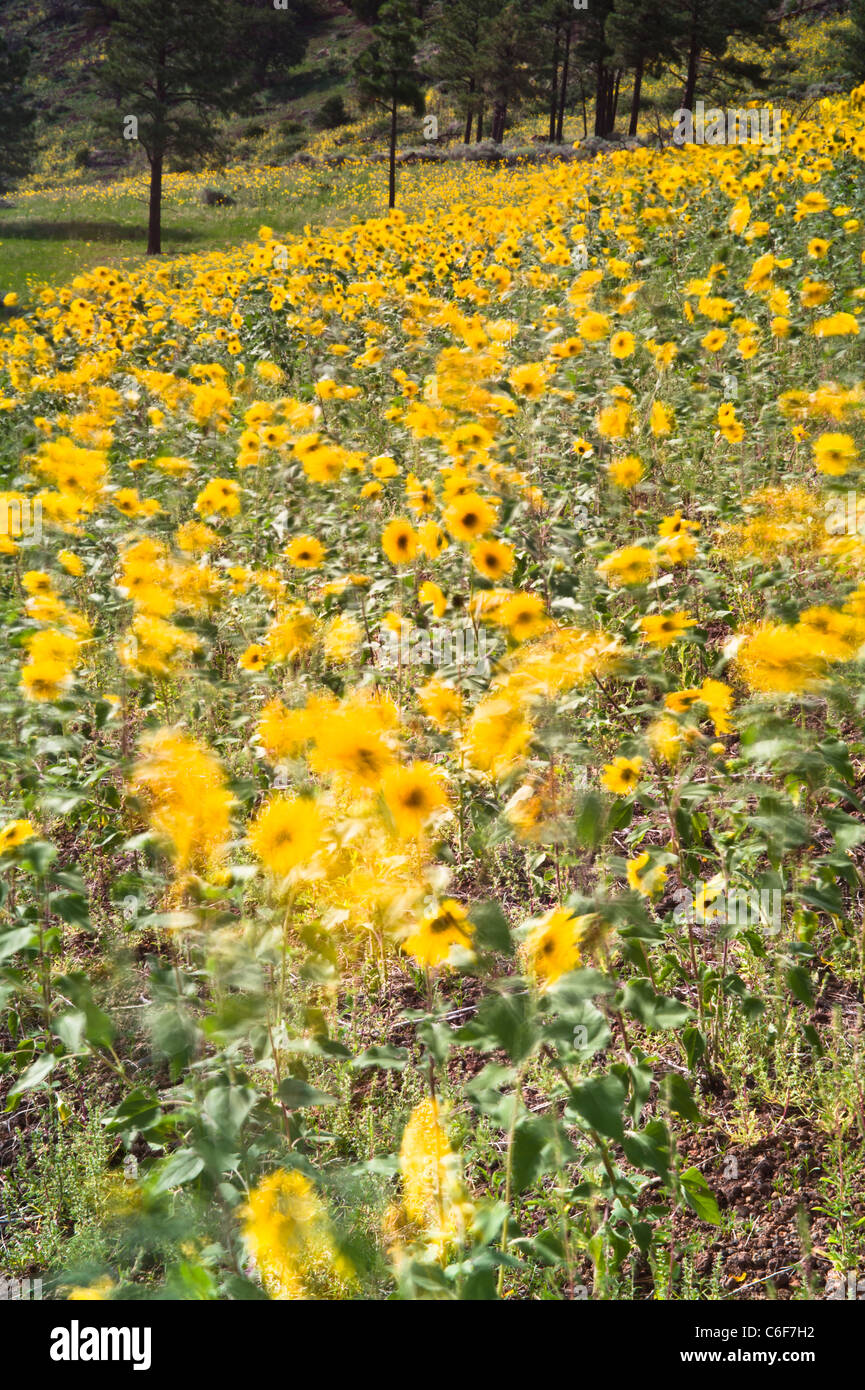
{"x":640,"y":1078}
{"x":386,"y":1165}
{"x":297,"y":1095}
{"x":138,"y":1113}
{"x":546,"y":1247}
{"x":798,"y":981}
{"x":695,"y":1044}
{"x":699,"y":1196}
{"x":621,"y":814}
{"x":35,"y":1073}
{"x":752,"y":1004}
{"x":577,"y":985}
{"x":72,"y":908}
{"x":656,"y":1011}
{"x":180,"y":1168}
{"x":649,"y":1148}
{"x":848,"y":831}
{"x":98,"y":1028}
{"x":37,"y":855}
{"x":503,"y":1020}
{"x":531,"y":1154}
{"x":69,"y":1028}
{"x":393,"y":1058}
{"x":590,"y":821}
{"x":437,"y":1036}
{"x":17,"y":940}
{"x":485,"y":1093}
{"x":229,"y":1106}
{"x":599,"y":1103}
{"x":679,"y":1097}
{"x":175,"y":1037}
{"x":492,"y":932}
{"x":826,"y":898}
{"x":582,"y":1030}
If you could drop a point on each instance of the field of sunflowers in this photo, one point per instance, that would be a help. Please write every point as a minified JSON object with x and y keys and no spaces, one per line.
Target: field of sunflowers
{"x":431,"y":742}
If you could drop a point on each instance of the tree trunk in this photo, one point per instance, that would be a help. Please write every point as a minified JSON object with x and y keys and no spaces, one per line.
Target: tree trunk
{"x":480,"y":130}
{"x":635,"y":103}
{"x":468,"y":138}
{"x":500,"y":112}
{"x":563,"y":96}
{"x":583,"y":99}
{"x":554,"y":88}
{"x":693,"y":66}
{"x":154,"y":224}
{"x":614,"y":100}
{"x":154,"y":220}
{"x":605,"y":101}
{"x":392,"y":178}
{"x":600,"y":98}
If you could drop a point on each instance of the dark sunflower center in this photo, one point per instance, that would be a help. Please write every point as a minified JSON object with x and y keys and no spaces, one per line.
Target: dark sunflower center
{"x":442,"y":923}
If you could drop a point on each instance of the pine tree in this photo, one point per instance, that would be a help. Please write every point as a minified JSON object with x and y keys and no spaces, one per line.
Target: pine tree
{"x":642,"y":35}
{"x":595,"y":51}
{"x":707,"y":27}
{"x":457,"y":30}
{"x":386,"y":72}
{"x":855,"y":41}
{"x":367,"y":10}
{"x":272,"y":39}
{"x":506,"y":75}
{"x":553,"y":23}
{"x":16,"y":117}
{"x":174,"y":68}
{"x":568,"y":32}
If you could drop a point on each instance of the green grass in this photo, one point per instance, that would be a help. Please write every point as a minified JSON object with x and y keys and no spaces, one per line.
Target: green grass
{"x":46,"y":240}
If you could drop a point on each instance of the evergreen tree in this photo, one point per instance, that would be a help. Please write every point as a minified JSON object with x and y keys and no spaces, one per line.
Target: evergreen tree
{"x":272,"y":40}
{"x":567,"y":41}
{"x":506,"y":75}
{"x":707,"y":27}
{"x":16,"y":117}
{"x":642,"y":35}
{"x":386,"y":72}
{"x":457,"y":32}
{"x":553,"y":24}
{"x":173,"y":68}
{"x":367,"y":10}
{"x":855,"y":41}
{"x":594,"y":50}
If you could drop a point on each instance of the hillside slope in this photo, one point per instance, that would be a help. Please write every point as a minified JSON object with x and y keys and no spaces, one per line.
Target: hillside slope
{"x":66,"y":40}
